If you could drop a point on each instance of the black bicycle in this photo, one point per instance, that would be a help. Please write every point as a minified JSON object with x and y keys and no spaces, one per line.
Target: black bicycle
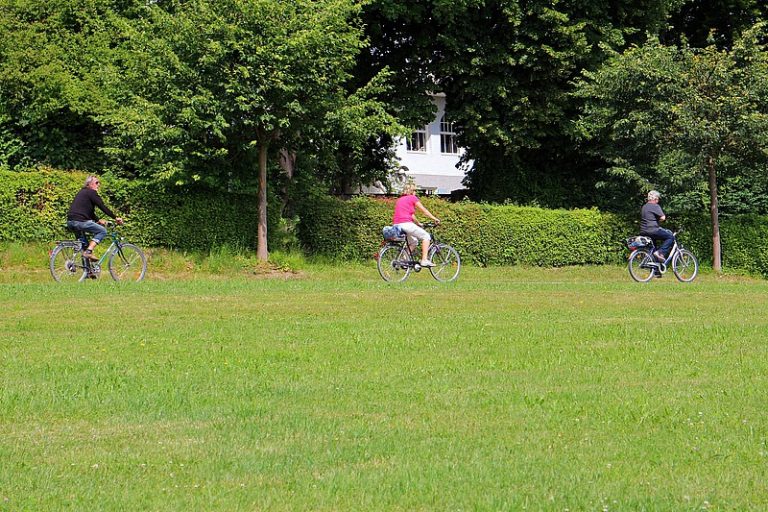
{"x":396,"y":260}
{"x":126,"y":262}
{"x":643,"y":265}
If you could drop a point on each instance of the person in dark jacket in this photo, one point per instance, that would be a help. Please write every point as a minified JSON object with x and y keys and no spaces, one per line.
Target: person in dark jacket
{"x":82,"y":214}
{"x":651,"y":216}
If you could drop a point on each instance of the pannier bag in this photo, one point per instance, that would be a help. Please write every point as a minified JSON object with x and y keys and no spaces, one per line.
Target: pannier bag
{"x":392,"y":232}
{"x":636,"y":242}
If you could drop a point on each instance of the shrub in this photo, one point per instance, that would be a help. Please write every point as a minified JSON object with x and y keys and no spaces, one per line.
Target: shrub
{"x":483,"y":234}
{"x":34,"y":204}
{"x":507,"y":235}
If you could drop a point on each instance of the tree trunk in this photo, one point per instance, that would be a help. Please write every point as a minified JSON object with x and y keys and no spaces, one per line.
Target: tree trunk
{"x":261,"y":250}
{"x":287,"y":162}
{"x":717,"y":264}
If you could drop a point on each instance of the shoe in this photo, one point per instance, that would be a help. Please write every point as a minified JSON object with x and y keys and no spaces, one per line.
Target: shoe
{"x":89,"y":254}
{"x":425,"y":263}
{"x":659,"y":256}
{"x":94,"y":276}
{"x":658,"y":274}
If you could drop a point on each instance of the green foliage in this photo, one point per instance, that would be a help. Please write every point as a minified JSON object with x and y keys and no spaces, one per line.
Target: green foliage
{"x":510,"y":235}
{"x":483,"y":234}
{"x":186,"y":92}
{"x":506,"y":67}
{"x":33,"y":207}
{"x":663,"y":117}
{"x":54,"y":66}
{"x":207,"y":83}
{"x":743,"y":241}
{"x":681,"y":120}
{"x":702,"y":22}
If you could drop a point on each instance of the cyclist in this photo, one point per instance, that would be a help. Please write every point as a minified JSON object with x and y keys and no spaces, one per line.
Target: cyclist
{"x":82,"y":214}
{"x":405,"y":219}
{"x":650,"y":217}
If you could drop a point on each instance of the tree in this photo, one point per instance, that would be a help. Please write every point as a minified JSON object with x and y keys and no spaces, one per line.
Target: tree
{"x":506,"y":67}
{"x":720,"y":22}
{"x":211,"y":89}
{"x":679,"y":118}
{"x":50,"y":52}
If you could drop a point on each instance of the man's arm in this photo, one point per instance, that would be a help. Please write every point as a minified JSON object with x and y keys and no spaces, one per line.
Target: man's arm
{"x":98,"y":201}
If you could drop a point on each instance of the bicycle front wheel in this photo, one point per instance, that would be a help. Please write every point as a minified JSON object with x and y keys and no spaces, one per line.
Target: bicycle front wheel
{"x":447,"y":262}
{"x":391,"y":263}
{"x":127,"y":263}
{"x":685,"y":266}
{"x":65,"y":266}
{"x":642,"y":266}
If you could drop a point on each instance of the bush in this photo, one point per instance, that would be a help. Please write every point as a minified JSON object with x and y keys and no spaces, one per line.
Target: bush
{"x":34,"y":204}
{"x":507,"y":235}
{"x":483,"y":234}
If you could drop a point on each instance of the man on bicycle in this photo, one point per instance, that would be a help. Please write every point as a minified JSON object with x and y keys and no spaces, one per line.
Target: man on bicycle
{"x":82,"y":214}
{"x":650,"y":217}
{"x":405,"y":219}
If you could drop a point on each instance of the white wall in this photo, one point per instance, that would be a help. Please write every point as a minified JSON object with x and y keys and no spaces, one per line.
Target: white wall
{"x":433,"y":170}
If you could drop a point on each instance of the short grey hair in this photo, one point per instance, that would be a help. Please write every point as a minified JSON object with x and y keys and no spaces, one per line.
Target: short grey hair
{"x":90,"y":179}
{"x":653,"y":195}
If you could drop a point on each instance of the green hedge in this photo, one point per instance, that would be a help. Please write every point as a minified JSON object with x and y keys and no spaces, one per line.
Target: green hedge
{"x":34,"y":204}
{"x":483,"y":234}
{"x":33,"y":207}
{"x":505,"y":235}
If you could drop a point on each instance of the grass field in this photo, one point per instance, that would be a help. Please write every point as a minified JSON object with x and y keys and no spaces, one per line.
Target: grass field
{"x":511,"y":389}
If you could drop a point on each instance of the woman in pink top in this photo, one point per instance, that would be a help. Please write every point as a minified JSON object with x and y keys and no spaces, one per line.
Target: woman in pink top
{"x":405,"y":219}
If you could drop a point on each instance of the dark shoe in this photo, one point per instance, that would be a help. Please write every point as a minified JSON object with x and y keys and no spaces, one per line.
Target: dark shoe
{"x":89,"y":254}
{"x":92,"y":275}
{"x":658,"y":274}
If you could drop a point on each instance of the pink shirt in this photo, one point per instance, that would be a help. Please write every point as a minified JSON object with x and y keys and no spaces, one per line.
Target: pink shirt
{"x":405,"y":207}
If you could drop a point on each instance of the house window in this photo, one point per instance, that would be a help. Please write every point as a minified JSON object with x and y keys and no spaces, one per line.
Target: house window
{"x":447,"y":137}
{"x":417,"y":142}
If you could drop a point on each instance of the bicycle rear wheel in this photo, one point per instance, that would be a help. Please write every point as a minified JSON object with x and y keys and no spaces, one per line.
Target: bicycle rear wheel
{"x":390,"y":263}
{"x":685,"y":266}
{"x":642,"y":265}
{"x":127,"y":263}
{"x":447,"y":262}
{"x":65,"y":266}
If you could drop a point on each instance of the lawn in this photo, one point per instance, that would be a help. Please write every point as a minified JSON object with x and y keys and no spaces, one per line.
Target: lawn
{"x":511,"y":389}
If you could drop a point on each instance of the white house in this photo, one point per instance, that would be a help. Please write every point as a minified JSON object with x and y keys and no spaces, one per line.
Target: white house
{"x":430,"y":156}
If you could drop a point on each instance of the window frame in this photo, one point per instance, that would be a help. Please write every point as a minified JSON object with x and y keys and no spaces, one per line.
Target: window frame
{"x":447,"y":136}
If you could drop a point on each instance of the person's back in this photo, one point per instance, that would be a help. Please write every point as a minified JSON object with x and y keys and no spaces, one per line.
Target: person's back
{"x":651,"y":215}
{"x":404,"y":218}
{"x":82,"y":214}
{"x":405,"y":207}
{"x":83,"y":207}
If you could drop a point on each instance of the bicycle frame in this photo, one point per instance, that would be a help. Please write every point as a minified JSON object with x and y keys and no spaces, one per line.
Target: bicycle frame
{"x":682,"y":262}
{"x":123,"y":259}
{"x":113,"y":246}
{"x":400,"y":257}
{"x":664,"y":265}
{"x":414,"y":263}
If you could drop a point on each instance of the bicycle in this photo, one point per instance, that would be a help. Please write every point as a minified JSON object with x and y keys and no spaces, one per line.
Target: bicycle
{"x":395,"y":260}
{"x":125,"y":261}
{"x":643,"y":265}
